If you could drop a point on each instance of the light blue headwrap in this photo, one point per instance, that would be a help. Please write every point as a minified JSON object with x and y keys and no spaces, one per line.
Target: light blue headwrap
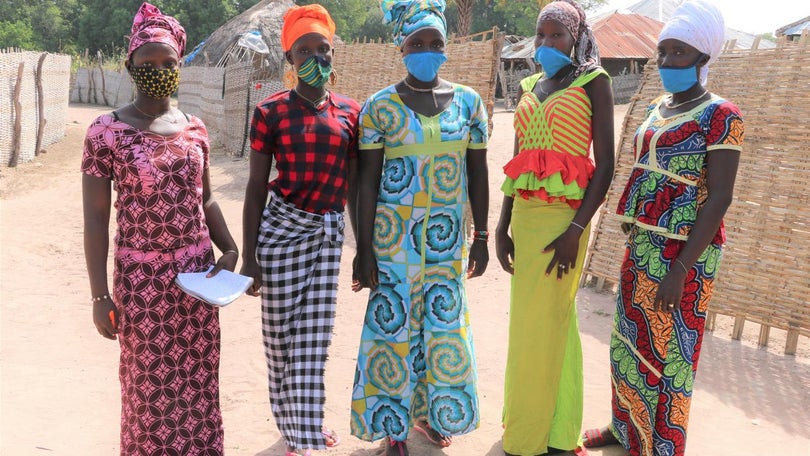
{"x":408,"y":16}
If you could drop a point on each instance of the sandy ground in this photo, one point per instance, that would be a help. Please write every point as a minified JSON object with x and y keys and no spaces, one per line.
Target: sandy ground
{"x":59,"y":386}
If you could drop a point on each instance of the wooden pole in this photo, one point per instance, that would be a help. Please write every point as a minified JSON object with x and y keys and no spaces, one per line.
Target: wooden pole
{"x":103,"y":82}
{"x":17,"y":139}
{"x":40,"y":103}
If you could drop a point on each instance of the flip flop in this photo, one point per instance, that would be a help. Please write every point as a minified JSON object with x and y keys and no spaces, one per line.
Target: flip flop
{"x":331,"y":438}
{"x":581,"y":451}
{"x":293,"y":453}
{"x":595,"y":438}
{"x":443,"y":442}
{"x":401,"y":449}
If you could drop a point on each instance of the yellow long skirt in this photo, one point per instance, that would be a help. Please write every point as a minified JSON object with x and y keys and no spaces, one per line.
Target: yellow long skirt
{"x":543,"y":387}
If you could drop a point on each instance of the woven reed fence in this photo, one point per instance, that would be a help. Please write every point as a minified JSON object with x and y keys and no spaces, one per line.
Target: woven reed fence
{"x":765,"y":273}
{"x":201,"y":94}
{"x":364,"y":68}
{"x":33,"y":103}
{"x":95,"y":85}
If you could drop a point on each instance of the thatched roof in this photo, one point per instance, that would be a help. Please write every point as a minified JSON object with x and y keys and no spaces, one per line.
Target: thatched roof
{"x":266,"y":16}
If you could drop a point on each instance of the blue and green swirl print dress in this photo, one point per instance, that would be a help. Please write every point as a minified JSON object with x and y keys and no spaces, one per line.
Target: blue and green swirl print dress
{"x":416,"y":358}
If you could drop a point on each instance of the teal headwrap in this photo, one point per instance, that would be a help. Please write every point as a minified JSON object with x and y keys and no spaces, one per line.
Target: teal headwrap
{"x":408,"y":16}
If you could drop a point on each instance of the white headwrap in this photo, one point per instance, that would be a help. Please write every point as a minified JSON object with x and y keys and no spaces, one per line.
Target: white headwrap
{"x":699,"y":24}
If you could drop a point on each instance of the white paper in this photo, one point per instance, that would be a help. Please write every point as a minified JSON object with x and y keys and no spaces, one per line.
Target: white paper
{"x":220,"y":290}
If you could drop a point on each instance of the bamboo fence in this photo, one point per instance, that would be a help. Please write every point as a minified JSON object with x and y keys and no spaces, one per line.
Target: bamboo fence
{"x":765,"y":273}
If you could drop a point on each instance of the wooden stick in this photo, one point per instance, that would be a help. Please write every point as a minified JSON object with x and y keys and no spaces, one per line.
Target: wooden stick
{"x":764,"y":334}
{"x":41,"y":103}
{"x":17,"y":139}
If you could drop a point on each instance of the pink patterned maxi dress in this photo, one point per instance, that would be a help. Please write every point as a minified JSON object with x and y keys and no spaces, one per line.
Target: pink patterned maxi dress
{"x":170,"y":342}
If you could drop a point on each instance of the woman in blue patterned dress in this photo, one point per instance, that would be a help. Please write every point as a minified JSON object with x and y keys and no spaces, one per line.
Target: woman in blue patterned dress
{"x":422,"y":158}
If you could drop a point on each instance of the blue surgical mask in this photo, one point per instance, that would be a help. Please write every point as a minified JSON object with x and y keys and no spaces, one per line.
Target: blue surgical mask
{"x":424,"y":66}
{"x":678,"y":79}
{"x":551,"y":59}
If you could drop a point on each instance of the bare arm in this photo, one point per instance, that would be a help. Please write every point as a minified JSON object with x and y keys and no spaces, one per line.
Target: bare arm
{"x":566,"y":246}
{"x":255,"y":200}
{"x":96,"y":200}
{"x":478,"y":191}
{"x":721,"y":173}
{"x":351,"y":195}
{"x":504,"y":247}
{"x":218,"y":228}
{"x":369,"y":172}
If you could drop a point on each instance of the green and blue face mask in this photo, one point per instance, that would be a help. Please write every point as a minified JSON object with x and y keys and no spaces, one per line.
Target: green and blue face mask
{"x":315,"y":71}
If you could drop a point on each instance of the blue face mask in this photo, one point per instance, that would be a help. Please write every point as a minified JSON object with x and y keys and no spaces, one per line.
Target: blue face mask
{"x":424,"y":66}
{"x":551,"y":59}
{"x":678,"y":79}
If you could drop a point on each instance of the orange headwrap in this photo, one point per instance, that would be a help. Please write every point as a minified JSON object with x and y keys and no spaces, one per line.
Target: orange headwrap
{"x":300,"y":20}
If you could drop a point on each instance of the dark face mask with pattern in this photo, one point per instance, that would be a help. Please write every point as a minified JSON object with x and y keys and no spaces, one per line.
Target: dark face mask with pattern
{"x":155,"y":83}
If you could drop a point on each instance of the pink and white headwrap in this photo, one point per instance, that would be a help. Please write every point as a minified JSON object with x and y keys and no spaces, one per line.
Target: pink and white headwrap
{"x":152,"y":26}
{"x":571,"y":15}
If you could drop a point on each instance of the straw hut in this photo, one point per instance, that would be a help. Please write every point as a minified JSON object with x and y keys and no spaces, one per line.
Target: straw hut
{"x":223,"y":47}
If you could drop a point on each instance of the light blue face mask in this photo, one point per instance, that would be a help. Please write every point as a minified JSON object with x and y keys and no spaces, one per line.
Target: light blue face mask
{"x":551,"y":59}
{"x":678,"y":79}
{"x":424,"y":66}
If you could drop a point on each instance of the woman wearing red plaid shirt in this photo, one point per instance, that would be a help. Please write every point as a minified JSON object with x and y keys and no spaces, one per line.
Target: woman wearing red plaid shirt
{"x":292,"y":245}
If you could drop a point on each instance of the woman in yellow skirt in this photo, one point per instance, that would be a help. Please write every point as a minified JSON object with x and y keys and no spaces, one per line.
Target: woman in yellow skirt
{"x":552,"y":191}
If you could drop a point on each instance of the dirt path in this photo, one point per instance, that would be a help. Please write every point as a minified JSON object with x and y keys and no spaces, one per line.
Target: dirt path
{"x":58,"y":380}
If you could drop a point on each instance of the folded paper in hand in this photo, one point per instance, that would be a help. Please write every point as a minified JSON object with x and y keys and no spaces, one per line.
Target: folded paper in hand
{"x":220,"y":290}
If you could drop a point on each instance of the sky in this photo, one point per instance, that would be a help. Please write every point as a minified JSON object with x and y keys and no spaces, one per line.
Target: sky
{"x":752,"y":16}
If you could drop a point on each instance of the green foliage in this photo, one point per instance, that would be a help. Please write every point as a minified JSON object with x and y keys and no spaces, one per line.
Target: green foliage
{"x":73,"y":26}
{"x":354,"y":19}
{"x":17,"y":34}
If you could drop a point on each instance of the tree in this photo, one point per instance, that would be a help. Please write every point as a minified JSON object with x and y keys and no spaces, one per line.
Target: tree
{"x":465,"y":14}
{"x":107,"y":23}
{"x":17,"y":34}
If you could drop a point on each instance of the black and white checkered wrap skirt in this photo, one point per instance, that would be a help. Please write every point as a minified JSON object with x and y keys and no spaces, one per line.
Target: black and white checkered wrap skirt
{"x":299,"y":254}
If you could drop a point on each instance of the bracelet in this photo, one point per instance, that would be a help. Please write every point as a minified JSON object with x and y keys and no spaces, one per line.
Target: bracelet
{"x":577,"y":225}
{"x":685,"y":269}
{"x":230,"y":251}
{"x":481,"y":235}
{"x":100,"y":298}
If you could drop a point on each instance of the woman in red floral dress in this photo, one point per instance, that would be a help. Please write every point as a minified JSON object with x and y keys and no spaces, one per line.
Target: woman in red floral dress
{"x":156,"y":158}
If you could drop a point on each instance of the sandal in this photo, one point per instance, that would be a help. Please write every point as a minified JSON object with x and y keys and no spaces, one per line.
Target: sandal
{"x":396,"y":448}
{"x":306,"y":452}
{"x":330,"y":437}
{"x":595,"y":438}
{"x":441,"y":441}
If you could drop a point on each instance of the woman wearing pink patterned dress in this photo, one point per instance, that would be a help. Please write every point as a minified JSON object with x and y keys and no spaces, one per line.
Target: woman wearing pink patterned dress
{"x":156,"y":158}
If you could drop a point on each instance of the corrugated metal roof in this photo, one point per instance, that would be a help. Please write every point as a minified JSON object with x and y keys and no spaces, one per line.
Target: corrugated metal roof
{"x":663,"y":10}
{"x":619,"y":36}
{"x":797,"y":29}
{"x":523,"y":49}
{"x":626,"y":36}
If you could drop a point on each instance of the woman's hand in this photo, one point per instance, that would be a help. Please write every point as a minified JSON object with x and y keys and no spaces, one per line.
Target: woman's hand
{"x":478,"y":259}
{"x":106,"y":318}
{"x":365,"y":272}
{"x":226,"y":261}
{"x":566,"y":248}
{"x":250,"y":268}
{"x":670,"y":291}
{"x":505,"y":250}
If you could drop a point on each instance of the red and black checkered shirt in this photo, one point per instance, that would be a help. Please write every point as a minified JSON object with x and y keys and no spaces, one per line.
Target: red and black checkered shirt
{"x":311,"y":147}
